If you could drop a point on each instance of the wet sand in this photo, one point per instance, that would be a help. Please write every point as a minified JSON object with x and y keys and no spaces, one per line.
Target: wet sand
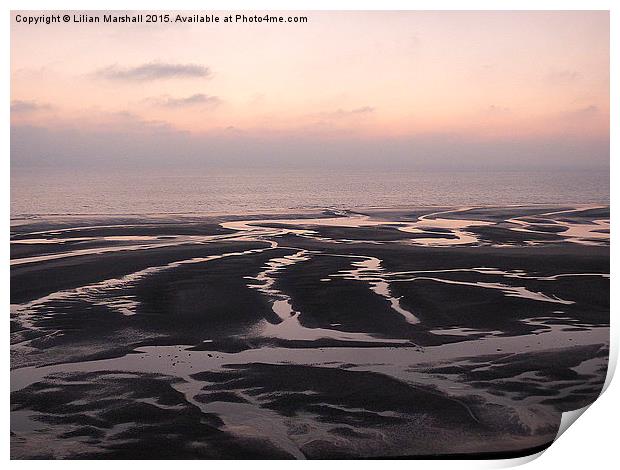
{"x":334,"y":334}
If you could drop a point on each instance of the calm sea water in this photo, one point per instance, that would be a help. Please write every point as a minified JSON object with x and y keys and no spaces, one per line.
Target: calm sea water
{"x":238,"y":192}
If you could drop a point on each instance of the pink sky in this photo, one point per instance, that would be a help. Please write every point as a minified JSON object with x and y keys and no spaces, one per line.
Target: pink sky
{"x":490,"y":76}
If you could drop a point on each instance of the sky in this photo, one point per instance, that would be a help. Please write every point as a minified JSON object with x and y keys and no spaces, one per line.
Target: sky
{"x":354,"y":89}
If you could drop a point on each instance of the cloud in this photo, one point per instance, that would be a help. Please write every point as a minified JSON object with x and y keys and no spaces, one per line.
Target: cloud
{"x":497,"y":110}
{"x":562,"y":76}
{"x":363,"y":110}
{"x":21,"y":106}
{"x":198,"y":99}
{"x":97,"y":121}
{"x":586,"y":111}
{"x":414,"y":40}
{"x":147,"y":145}
{"x":153,"y":71}
{"x":590,"y":119}
{"x":342,"y":113}
{"x":579,"y":114}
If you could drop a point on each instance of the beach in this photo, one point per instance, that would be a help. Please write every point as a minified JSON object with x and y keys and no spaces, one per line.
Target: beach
{"x":324,"y":333}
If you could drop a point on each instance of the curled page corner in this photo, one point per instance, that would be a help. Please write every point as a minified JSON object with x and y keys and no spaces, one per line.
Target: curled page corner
{"x":517,"y":461}
{"x":568,"y":418}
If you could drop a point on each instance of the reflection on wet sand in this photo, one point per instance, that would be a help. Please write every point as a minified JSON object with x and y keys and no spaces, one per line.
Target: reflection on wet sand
{"x":341,"y":334}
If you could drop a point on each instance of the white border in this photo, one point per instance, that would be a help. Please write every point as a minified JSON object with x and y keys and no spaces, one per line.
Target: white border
{"x":590,"y":444}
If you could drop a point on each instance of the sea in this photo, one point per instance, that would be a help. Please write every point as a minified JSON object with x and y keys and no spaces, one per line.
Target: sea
{"x":40,"y":193}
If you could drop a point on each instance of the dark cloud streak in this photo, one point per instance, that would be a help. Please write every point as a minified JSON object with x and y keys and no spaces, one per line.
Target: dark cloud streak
{"x":153,"y":71}
{"x":22,"y":106}
{"x":563,"y":76}
{"x":198,"y":99}
{"x":343,"y":113}
{"x":146,"y":145}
